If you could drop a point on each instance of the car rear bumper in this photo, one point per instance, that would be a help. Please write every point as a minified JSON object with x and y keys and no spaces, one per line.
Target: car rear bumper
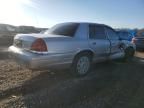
{"x":39,"y":61}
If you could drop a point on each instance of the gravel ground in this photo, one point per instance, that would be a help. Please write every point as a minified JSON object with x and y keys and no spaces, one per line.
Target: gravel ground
{"x":109,"y":85}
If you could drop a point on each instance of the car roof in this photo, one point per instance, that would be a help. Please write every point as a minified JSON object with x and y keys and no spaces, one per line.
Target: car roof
{"x":86,"y":23}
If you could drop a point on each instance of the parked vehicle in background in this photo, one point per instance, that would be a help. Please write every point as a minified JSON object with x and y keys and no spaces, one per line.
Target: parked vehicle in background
{"x":139,"y":42}
{"x":73,"y":45}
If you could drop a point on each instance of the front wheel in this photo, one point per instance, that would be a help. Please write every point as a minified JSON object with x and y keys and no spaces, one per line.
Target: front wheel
{"x":129,"y":54}
{"x":81,"y":64}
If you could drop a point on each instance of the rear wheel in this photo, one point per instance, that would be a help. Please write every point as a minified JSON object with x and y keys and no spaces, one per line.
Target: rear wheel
{"x":81,"y":64}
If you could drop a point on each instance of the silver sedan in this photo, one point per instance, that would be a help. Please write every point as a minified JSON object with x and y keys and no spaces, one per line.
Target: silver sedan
{"x":74,"y":45}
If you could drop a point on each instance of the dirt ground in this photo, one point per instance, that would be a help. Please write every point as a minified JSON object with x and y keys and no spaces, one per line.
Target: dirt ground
{"x":111,"y":84}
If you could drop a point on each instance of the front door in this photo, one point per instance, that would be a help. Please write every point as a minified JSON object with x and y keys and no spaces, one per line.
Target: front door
{"x":114,"y":40}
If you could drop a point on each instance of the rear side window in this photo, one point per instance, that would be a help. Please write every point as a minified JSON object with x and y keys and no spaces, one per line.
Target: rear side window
{"x":66,"y":29}
{"x":96,"y":32}
{"x":112,"y":34}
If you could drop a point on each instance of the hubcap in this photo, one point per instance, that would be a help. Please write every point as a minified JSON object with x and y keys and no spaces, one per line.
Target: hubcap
{"x":83,"y":65}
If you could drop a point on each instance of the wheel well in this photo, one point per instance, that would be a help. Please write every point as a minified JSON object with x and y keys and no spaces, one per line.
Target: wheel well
{"x":130,"y":47}
{"x":90,"y":53}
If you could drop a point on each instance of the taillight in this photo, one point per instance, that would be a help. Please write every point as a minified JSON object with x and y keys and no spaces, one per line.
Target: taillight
{"x":39,"y":45}
{"x":134,"y":40}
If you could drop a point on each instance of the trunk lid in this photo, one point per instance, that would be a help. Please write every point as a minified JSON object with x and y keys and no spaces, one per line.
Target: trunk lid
{"x":25,"y":41}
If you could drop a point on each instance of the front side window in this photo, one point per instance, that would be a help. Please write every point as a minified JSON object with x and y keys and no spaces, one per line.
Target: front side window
{"x":96,"y":32}
{"x":123,"y":35}
{"x":112,"y":34}
{"x":66,"y":29}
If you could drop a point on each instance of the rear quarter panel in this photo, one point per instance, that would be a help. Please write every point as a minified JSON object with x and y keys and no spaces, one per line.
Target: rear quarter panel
{"x":67,"y":46}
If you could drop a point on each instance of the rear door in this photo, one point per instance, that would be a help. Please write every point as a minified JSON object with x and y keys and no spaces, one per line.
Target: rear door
{"x":98,"y":41}
{"x":114,"y":40}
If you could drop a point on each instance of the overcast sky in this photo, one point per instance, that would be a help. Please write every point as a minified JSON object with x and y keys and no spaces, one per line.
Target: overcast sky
{"x":46,"y":13}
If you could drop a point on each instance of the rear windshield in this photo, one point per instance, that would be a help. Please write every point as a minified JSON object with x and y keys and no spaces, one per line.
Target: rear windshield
{"x":66,"y":29}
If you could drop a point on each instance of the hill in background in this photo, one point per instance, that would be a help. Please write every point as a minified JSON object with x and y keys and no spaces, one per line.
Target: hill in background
{"x":4,"y":28}
{"x":7,"y":32}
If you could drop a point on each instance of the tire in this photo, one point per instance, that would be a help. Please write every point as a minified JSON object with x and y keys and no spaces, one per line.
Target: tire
{"x":129,"y":54}
{"x":82,"y":64}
